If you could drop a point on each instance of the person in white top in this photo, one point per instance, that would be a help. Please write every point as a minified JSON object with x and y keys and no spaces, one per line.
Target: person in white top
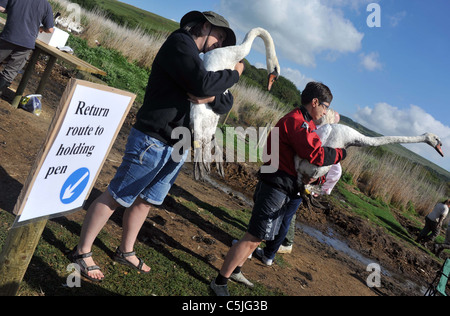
{"x":434,"y":221}
{"x":438,"y":248}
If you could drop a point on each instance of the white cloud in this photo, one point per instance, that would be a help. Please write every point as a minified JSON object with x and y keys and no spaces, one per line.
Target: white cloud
{"x":371,"y":61}
{"x":355,"y":5}
{"x":413,"y":121}
{"x":394,"y":20}
{"x":299,"y":79}
{"x":301,"y":28}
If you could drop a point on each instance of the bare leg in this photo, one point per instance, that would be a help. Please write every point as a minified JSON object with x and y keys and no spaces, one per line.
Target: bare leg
{"x":133,"y":220}
{"x":97,"y":215}
{"x":239,"y":253}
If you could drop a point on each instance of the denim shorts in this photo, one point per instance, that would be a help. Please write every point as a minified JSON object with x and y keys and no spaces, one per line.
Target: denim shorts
{"x":268,"y":212}
{"x":147,"y":171}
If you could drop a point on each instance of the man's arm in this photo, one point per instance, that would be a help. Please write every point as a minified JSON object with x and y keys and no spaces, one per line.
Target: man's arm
{"x":50,"y":30}
{"x":47,"y":21}
{"x":2,"y":10}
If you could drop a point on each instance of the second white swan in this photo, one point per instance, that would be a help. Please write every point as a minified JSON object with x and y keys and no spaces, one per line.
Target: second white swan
{"x":342,"y":136}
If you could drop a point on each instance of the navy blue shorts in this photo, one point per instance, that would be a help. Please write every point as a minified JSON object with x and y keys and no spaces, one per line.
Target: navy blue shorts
{"x":268,"y":212}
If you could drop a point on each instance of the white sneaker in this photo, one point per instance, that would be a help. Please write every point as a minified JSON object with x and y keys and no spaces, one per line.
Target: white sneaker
{"x":259,"y":253}
{"x":239,"y":277}
{"x":285,"y":249}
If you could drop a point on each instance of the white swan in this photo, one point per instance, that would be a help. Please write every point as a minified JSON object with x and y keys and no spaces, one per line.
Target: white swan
{"x":342,"y":136}
{"x":203,"y":119}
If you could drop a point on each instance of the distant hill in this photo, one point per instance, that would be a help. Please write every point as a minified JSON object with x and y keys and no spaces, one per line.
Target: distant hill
{"x":125,"y":14}
{"x":284,"y":89}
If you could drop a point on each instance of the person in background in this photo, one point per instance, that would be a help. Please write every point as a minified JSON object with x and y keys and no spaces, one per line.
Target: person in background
{"x":434,"y":221}
{"x":438,"y":248}
{"x":148,"y":169}
{"x":26,"y":18}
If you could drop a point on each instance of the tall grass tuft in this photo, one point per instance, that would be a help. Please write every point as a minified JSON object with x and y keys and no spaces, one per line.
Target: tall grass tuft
{"x":254,"y":107}
{"x":135,"y":44}
{"x":393,"y":179}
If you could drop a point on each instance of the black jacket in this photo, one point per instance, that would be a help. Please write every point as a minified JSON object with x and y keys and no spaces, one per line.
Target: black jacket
{"x":177,"y":70}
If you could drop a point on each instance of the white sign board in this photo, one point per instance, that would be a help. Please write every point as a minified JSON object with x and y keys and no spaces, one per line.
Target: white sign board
{"x":82,"y":133}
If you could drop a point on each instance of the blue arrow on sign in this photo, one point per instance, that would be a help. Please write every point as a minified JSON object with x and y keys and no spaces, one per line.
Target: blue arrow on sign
{"x":74,"y":186}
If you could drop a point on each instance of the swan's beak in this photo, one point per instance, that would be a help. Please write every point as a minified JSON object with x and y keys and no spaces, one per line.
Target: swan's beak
{"x":272,"y":78}
{"x":439,"y":149}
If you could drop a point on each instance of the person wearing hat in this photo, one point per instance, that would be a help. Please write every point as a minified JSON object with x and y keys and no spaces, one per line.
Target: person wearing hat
{"x":194,"y":21}
{"x":148,"y":169}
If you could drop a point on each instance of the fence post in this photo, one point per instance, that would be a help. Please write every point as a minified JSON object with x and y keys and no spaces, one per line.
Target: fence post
{"x":16,"y":255}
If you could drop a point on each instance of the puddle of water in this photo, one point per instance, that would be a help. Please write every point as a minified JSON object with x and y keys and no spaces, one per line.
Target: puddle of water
{"x":228,"y":190}
{"x":337,"y":244}
{"x":344,"y":248}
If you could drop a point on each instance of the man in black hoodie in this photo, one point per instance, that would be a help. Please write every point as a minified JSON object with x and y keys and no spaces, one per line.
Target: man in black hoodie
{"x":148,"y":171}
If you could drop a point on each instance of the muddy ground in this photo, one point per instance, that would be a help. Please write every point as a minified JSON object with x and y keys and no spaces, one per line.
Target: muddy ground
{"x":314,"y":268}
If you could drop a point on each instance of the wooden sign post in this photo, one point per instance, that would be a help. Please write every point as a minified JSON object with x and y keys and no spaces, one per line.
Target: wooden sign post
{"x":80,"y":137}
{"x":16,"y":255}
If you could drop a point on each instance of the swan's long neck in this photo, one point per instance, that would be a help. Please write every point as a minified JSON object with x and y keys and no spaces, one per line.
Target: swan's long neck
{"x":246,"y":45}
{"x":384,"y":140}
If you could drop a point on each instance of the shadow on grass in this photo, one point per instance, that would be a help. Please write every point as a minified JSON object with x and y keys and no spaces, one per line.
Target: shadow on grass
{"x":9,"y":191}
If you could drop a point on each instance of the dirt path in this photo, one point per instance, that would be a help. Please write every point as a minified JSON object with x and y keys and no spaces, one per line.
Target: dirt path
{"x":314,"y":268}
